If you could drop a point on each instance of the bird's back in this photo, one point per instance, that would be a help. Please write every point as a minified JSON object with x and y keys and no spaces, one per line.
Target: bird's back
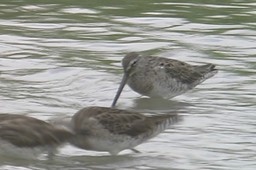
{"x":162,"y":77}
{"x":113,"y":130}
{"x":23,"y":131}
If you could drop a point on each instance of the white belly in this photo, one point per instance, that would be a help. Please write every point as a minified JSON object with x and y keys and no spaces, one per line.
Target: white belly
{"x":9,"y":150}
{"x":168,"y":90}
{"x":113,"y":145}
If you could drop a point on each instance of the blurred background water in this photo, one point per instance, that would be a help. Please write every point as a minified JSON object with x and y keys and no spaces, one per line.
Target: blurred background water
{"x":59,"y":56}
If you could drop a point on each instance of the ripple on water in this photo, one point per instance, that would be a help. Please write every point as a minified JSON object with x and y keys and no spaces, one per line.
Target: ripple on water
{"x":57,"y":58}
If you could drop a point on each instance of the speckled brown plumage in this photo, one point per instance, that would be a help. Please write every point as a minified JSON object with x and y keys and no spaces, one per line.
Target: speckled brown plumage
{"x":24,"y":131}
{"x":113,"y":130}
{"x":161,"y":77}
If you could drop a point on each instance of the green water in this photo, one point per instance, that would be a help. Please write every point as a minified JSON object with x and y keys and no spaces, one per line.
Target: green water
{"x":59,"y":56}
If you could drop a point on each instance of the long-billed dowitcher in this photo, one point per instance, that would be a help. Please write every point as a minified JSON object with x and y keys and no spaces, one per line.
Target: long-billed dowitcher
{"x":161,"y":77}
{"x":19,"y":134}
{"x":113,"y":130}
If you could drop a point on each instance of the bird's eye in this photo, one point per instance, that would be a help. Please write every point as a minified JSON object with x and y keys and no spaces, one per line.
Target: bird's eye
{"x":133,"y":63}
{"x":131,"y":66}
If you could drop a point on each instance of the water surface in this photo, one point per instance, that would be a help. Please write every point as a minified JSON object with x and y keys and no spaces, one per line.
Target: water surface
{"x":57,"y":57}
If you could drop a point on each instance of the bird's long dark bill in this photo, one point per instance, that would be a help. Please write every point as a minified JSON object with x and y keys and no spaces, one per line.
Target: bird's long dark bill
{"x":121,"y":86}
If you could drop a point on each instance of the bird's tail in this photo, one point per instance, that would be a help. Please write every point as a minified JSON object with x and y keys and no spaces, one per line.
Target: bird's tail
{"x":207,"y":71}
{"x":163,"y":122}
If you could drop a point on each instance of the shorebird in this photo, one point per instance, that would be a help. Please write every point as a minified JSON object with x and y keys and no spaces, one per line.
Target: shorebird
{"x":19,"y":134}
{"x":161,"y":77}
{"x":113,"y":130}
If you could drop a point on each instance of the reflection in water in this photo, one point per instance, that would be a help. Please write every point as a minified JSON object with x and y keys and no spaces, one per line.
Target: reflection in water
{"x":159,"y":104}
{"x":57,"y":57}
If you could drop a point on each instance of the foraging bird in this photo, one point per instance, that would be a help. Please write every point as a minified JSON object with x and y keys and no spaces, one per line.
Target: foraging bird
{"x":19,"y":133}
{"x":113,"y":130}
{"x":161,"y":77}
